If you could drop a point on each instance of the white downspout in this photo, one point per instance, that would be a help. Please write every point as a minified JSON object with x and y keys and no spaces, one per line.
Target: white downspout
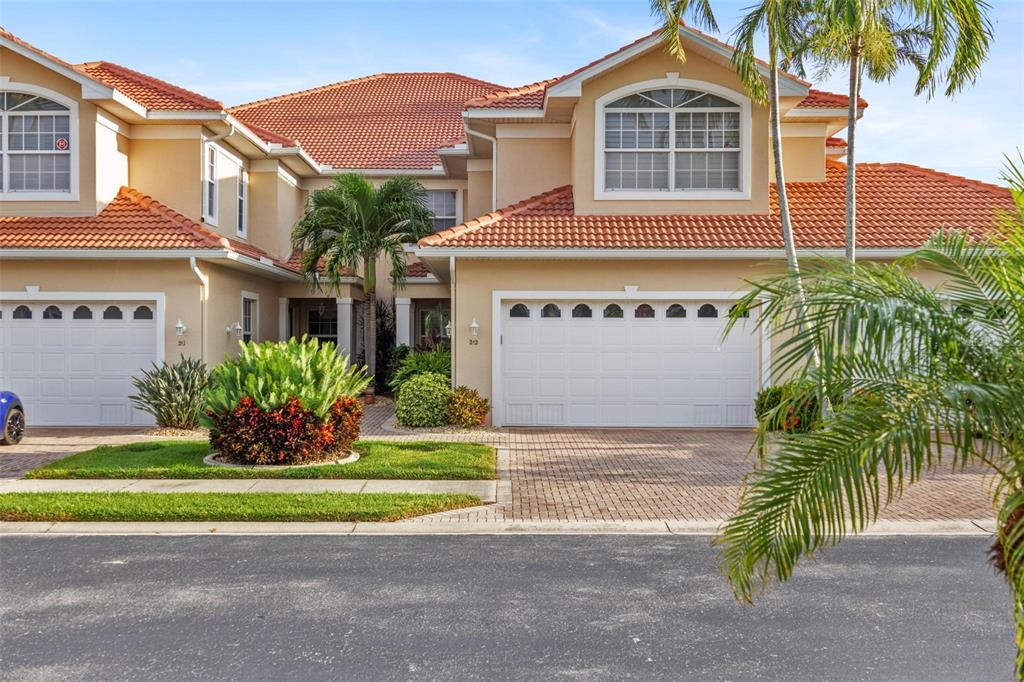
{"x":204,"y":286}
{"x":494,"y":166}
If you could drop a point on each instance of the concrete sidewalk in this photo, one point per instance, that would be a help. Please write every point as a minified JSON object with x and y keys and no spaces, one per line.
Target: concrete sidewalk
{"x":981,"y":527}
{"x":485,"y":490}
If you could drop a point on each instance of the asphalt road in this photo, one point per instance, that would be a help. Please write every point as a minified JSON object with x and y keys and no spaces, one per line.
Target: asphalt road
{"x":490,"y":607}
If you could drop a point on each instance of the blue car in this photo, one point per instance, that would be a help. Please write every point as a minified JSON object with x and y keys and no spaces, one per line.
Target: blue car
{"x":12,"y":418}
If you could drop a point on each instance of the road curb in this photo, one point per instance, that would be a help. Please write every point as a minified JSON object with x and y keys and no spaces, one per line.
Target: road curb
{"x":963,"y":527}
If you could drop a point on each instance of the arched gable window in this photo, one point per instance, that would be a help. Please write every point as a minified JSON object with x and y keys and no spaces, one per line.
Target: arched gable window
{"x":37,"y":155}
{"x":672,"y":139}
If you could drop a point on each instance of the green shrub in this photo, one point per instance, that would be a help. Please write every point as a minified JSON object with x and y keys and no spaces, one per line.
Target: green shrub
{"x":467,"y":407}
{"x":436,"y":361}
{"x":792,"y":407}
{"x":273,"y":372}
{"x":173,"y":394}
{"x":423,"y":400}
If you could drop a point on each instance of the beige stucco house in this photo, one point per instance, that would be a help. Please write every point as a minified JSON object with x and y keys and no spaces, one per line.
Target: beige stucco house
{"x":593,"y":229}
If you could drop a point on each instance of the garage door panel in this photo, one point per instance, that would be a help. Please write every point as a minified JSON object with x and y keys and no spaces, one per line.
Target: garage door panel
{"x":627,"y":371}
{"x":76,"y":372}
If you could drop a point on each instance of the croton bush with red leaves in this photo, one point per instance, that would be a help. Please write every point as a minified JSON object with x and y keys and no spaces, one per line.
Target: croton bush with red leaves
{"x":288,"y":402}
{"x":289,"y":435}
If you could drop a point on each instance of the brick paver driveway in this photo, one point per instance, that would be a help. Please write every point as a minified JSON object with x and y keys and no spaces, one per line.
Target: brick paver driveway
{"x":654,"y":475}
{"x":586,"y":474}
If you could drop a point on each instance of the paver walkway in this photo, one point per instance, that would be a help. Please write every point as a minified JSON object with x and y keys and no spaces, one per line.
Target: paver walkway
{"x":583,"y":475}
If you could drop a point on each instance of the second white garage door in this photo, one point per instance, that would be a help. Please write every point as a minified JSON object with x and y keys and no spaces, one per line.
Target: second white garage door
{"x":71,"y":362}
{"x":626,"y":363}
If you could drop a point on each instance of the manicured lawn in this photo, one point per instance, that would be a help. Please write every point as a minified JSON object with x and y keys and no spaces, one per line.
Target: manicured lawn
{"x":224,"y":506}
{"x":184,"y":459}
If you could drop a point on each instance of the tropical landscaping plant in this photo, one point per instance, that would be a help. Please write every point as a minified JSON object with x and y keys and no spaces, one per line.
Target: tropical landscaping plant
{"x":945,"y":40}
{"x":284,"y":402}
{"x":438,"y":360}
{"x":350,"y":226}
{"x":467,"y":408}
{"x":931,"y":376}
{"x":423,"y":400}
{"x":173,"y":393}
{"x":791,"y":407}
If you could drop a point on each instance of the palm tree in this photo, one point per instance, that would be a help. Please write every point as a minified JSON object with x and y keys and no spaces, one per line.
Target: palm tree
{"x":671,"y":14}
{"x":875,"y":37}
{"x":348,"y":226}
{"x":931,"y":376}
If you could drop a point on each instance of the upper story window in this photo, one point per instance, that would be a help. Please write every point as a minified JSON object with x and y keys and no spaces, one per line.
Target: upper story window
{"x":442,"y":205}
{"x":38,"y":147}
{"x":210,"y":185}
{"x":672,"y":143}
{"x":242,"y":216}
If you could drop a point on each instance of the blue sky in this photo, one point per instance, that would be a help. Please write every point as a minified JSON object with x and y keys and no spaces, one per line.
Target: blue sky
{"x":241,"y":51}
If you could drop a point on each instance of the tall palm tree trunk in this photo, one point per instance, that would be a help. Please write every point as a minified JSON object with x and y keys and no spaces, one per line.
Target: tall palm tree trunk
{"x":851,"y":161}
{"x":370,"y":323}
{"x":780,"y":175}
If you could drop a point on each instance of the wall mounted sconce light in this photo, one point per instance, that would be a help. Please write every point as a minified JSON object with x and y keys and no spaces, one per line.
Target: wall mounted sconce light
{"x":180,"y":328}
{"x":448,"y":329}
{"x":235,"y":329}
{"x":474,"y":328}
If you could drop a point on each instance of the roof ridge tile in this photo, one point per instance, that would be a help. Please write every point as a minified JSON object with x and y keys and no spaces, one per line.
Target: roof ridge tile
{"x":195,"y":97}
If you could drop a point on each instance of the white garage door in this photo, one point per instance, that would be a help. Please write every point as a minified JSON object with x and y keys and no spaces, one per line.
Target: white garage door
{"x":626,"y":363}
{"x":71,"y":362}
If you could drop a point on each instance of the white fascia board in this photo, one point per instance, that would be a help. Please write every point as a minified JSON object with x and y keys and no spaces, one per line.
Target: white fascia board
{"x":455,"y":150}
{"x":573,"y":86}
{"x":797,"y":112}
{"x":641,"y":254}
{"x":426,"y":279}
{"x":503,"y":113}
{"x":91,"y":89}
{"x":203,"y":115}
{"x":110,"y":254}
{"x":431,"y":172}
{"x":259,"y":264}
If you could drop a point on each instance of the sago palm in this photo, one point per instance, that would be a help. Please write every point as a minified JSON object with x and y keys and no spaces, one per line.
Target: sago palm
{"x":931,"y":377}
{"x":945,"y":40}
{"x":349,"y":226}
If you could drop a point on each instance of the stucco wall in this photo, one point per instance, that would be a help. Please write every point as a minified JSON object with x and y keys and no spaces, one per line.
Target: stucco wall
{"x":650,"y":66}
{"x":113,"y":151}
{"x":479,"y":191}
{"x":225,"y":308}
{"x":529,"y":166}
{"x":803,"y":159}
{"x":170,"y":171}
{"x":21,"y":70}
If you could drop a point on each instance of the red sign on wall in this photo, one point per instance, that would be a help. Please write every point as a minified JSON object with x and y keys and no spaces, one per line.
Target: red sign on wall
{"x":62,"y":144}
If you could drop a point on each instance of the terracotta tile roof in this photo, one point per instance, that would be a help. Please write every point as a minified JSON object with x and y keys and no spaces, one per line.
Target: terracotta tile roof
{"x":819,"y":99}
{"x":389,"y":120}
{"x":131,"y":221}
{"x":416,"y":269}
{"x":294,"y":263}
{"x":4,"y":33}
{"x":149,"y":92}
{"x":835,"y":142}
{"x":899,"y":206}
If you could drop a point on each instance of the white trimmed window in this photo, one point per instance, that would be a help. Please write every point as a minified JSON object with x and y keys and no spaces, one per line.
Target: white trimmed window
{"x":210,"y":185}
{"x":250,"y":316}
{"x":242,"y":205}
{"x":442,"y":205}
{"x":37,"y":152}
{"x":672,"y":142}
